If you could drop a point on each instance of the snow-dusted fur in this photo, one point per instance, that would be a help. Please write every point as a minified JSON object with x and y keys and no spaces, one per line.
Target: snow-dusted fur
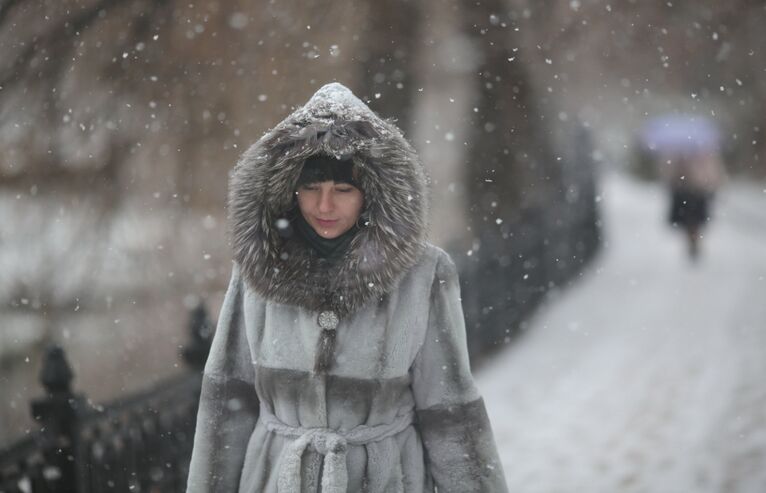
{"x":333,"y":122}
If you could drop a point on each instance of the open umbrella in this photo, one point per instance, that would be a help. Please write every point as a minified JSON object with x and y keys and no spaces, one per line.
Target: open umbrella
{"x":680,"y":134}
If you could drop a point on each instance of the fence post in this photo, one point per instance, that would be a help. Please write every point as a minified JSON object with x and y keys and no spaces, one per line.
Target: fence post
{"x":58,"y":414}
{"x":201,"y":335}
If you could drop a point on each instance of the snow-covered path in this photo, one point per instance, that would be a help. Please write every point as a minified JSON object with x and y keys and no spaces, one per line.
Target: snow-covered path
{"x":649,"y":374}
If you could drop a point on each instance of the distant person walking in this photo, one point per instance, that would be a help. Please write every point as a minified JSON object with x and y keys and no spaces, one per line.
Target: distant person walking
{"x":686,"y":149}
{"x":693,"y":178}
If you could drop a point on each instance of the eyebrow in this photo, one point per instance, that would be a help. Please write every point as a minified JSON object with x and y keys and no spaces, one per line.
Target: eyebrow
{"x":337,"y":183}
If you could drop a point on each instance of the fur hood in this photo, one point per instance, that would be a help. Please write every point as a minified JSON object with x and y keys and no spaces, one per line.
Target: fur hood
{"x":280,"y":267}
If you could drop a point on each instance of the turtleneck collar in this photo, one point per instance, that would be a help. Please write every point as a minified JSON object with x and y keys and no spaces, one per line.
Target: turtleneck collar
{"x":331,"y":249}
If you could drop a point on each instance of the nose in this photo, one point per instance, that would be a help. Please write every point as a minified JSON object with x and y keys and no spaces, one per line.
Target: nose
{"x":326,"y":203}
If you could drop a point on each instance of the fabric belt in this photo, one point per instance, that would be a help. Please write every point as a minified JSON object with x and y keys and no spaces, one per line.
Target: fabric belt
{"x":332,"y":444}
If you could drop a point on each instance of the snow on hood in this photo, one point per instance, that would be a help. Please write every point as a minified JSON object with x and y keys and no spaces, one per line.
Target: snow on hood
{"x":261,"y":203}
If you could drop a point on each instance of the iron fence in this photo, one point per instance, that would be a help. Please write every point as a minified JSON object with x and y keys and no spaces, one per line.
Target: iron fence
{"x":544,"y":248}
{"x":139,"y":443}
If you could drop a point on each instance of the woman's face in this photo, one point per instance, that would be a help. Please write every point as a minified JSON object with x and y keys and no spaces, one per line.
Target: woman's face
{"x":330,"y":208}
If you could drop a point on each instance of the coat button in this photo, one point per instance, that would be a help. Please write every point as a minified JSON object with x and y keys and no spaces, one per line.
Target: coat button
{"x":328,"y":320}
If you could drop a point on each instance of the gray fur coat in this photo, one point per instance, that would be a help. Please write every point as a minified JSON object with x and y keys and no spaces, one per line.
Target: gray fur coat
{"x":397,"y":411}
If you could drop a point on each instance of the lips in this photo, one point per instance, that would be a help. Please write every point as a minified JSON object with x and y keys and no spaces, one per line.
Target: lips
{"x":327,"y":222}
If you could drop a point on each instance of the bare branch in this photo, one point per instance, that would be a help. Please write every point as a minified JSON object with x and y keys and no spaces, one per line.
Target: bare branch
{"x":53,"y":41}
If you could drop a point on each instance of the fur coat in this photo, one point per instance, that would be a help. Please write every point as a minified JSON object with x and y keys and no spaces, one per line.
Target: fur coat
{"x":398,"y":410}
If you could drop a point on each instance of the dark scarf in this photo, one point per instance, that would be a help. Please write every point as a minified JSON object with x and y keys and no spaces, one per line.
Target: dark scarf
{"x":331,"y":249}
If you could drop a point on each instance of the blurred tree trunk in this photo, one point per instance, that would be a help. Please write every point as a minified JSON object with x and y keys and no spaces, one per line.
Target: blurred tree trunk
{"x":389,"y":70}
{"x":508,"y":155}
{"x":509,"y":171}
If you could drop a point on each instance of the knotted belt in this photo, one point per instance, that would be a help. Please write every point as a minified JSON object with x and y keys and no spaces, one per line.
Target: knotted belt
{"x":332,"y":444}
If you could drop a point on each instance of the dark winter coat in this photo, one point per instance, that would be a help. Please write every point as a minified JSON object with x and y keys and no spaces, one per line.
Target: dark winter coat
{"x":398,"y":410}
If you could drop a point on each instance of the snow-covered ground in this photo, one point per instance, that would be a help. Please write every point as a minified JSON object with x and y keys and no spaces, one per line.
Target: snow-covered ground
{"x":648,"y":375}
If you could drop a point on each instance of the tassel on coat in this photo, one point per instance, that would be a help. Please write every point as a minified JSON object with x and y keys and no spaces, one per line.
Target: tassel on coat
{"x":325,"y":353}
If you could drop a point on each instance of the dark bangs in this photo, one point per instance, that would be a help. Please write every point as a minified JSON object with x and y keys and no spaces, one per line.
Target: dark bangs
{"x":319,"y":168}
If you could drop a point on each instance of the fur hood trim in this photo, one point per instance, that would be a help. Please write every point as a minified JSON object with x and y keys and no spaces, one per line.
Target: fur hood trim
{"x":281,"y":267}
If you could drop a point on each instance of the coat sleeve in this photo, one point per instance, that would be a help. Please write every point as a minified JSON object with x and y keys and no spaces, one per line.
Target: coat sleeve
{"x":228,"y":407}
{"x":459,"y":445}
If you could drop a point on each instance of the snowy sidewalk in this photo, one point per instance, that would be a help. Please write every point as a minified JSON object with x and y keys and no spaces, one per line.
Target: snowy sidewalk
{"x":649,"y":374}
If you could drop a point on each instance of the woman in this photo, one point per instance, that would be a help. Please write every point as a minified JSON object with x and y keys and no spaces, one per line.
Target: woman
{"x":339,"y":362}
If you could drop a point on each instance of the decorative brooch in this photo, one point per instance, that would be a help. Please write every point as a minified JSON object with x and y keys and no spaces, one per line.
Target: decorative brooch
{"x":328,"y":320}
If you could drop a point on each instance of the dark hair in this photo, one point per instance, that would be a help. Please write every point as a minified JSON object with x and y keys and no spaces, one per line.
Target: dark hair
{"x":320,"y":167}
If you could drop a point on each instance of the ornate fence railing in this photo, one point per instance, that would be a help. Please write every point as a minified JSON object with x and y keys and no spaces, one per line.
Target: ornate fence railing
{"x":140,"y":443}
{"x":546,"y":247}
